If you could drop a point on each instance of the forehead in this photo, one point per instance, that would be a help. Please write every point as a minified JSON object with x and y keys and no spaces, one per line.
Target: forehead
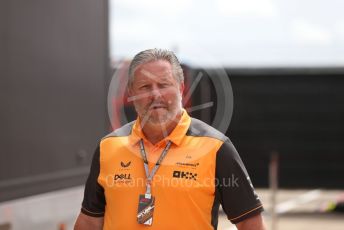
{"x":154,"y":70}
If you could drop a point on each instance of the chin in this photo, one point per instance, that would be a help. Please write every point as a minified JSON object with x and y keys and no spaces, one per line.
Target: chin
{"x":162,"y":119}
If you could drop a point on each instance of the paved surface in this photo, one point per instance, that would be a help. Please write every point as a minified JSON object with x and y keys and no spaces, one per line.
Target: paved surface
{"x":298,"y":210}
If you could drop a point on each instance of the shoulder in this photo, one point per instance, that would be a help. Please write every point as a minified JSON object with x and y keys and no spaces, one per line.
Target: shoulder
{"x":123,"y":131}
{"x":199,"y":128}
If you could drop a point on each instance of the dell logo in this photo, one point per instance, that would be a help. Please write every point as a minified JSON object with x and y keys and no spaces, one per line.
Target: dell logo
{"x":122,"y":177}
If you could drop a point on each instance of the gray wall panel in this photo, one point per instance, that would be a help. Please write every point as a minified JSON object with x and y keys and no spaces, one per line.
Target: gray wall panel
{"x":53,"y":92}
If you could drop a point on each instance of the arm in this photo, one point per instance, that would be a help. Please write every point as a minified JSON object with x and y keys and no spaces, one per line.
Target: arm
{"x":253,"y":223}
{"x":85,"y":222}
{"x":238,"y":199}
{"x":93,"y":205}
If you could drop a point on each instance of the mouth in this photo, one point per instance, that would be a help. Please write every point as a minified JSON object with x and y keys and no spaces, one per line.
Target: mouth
{"x":158,"y":106}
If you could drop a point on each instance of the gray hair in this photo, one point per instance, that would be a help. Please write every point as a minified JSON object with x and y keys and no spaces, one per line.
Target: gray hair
{"x":155,"y":55}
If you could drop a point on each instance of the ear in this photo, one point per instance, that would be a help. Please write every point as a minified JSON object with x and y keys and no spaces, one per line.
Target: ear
{"x":181,"y":88}
{"x":129,"y":91}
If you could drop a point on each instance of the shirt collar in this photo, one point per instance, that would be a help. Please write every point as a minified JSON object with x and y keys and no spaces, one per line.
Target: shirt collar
{"x":175,"y":136}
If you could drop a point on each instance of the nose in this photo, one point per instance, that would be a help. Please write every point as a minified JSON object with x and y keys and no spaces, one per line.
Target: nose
{"x":156,"y":92}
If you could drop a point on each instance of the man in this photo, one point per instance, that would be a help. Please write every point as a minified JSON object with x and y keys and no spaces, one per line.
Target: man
{"x":165,"y":170}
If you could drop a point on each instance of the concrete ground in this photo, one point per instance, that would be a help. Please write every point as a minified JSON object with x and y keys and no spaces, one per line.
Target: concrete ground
{"x":297,"y":210}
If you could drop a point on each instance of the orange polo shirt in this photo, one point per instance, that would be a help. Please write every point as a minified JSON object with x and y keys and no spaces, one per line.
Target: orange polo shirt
{"x":201,"y":170}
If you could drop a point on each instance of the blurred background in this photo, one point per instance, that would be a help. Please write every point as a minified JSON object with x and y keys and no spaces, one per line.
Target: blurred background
{"x":284,"y":61}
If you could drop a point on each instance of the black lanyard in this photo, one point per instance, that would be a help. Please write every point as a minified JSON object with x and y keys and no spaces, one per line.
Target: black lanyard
{"x":156,"y":166}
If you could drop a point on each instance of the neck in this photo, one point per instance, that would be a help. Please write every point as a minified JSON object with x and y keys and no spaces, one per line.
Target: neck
{"x":157,"y":132}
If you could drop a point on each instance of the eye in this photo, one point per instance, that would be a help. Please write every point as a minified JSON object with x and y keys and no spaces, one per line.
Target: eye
{"x":144,"y":87}
{"x":164,"y":85}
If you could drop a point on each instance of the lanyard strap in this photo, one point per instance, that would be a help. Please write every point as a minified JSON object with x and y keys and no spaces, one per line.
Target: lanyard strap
{"x":156,"y":166}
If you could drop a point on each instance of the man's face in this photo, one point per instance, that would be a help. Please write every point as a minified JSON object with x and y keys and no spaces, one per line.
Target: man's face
{"x":156,"y":93}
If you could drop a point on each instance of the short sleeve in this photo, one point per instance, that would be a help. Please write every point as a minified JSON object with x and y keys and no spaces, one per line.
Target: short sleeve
{"x":234,"y":189}
{"x":94,"y":203}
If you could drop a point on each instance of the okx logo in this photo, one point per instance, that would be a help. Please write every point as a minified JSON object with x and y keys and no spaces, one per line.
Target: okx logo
{"x":185,"y":175}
